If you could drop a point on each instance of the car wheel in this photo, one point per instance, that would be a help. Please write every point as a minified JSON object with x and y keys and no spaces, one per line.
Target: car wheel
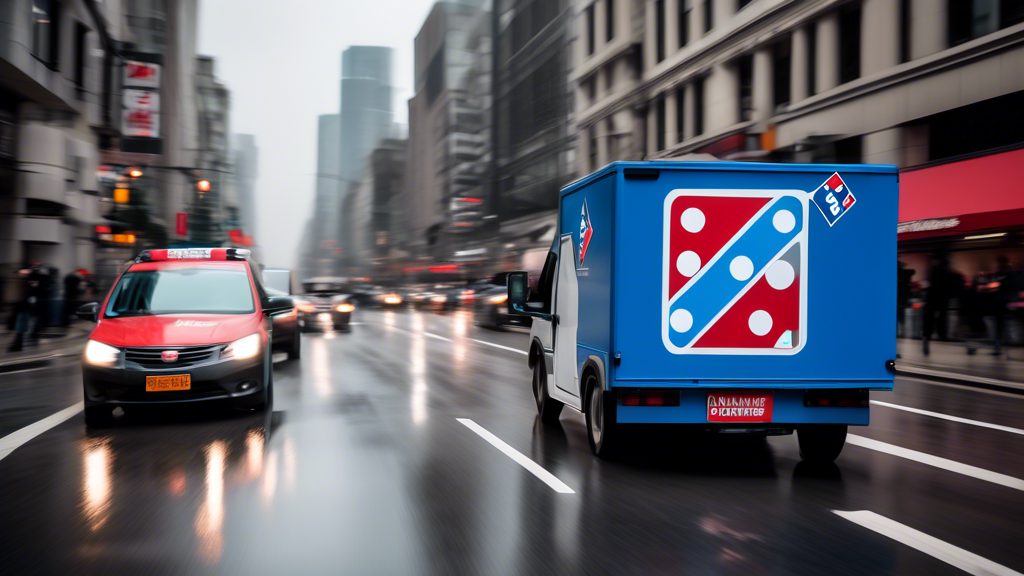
{"x":267,"y":400}
{"x":599,"y":411}
{"x":821,"y":443}
{"x":98,"y":416}
{"x":548,"y":408}
{"x":295,"y":350}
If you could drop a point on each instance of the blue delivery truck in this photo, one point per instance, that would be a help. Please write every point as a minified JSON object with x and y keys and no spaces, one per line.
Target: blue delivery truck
{"x":736,"y":298}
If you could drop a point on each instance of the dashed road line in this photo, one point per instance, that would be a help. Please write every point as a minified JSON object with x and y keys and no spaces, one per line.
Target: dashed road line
{"x":948,"y":417}
{"x":953,"y":555}
{"x":534,"y":468}
{"x":15,"y":439}
{"x":943,"y":463}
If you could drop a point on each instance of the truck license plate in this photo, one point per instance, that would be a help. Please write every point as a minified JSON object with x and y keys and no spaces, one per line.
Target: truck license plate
{"x":740,"y":407}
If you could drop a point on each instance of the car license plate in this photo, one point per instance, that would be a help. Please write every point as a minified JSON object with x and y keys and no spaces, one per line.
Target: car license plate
{"x":740,"y":407}
{"x":168,"y":383}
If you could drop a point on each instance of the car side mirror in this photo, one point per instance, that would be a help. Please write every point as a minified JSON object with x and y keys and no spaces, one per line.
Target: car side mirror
{"x":89,"y":312}
{"x":278,"y":305}
{"x":518,"y":291}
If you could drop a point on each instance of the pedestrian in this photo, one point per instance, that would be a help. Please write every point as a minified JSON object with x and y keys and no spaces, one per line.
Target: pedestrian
{"x":1004,"y":292}
{"x":942,"y":287}
{"x":903,"y":278}
{"x":72,"y":294}
{"x":27,"y":309}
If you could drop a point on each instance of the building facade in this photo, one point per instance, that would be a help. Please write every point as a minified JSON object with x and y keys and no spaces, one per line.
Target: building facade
{"x":369,"y":212}
{"x":366,"y":115}
{"x":215,"y":212}
{"x":323,"y":234}
{"x":246,"y":170}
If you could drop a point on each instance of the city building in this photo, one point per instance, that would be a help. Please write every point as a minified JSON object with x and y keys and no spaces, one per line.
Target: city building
{"x":447,"y":136}
{"x":366,"y":115}
{"x":533,"y":130}
{"x":215,"y":212}
{"x":246,"y":163}
{"x":56,"y":61}
{"x":932,"y":86}
{"x":369,"y":211}
{"x":324,"y":237}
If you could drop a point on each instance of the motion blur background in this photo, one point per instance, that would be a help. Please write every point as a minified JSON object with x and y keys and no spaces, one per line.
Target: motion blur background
{"x":116,"y":134}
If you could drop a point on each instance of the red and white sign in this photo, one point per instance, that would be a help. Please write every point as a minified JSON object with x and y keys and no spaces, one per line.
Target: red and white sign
{"x":141,"y":114}
{"x":141,"y":74}
{"x":181,"y":223}
{"x":742,"y":407}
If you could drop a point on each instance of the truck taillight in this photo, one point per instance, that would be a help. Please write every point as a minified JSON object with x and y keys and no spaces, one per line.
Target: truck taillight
{"x":650,"y":398}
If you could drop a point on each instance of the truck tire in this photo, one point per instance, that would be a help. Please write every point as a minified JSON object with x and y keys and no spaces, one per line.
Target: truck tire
{"x":599,"y":410}
{"x":548,"y":408}
{"x":821,"y":443}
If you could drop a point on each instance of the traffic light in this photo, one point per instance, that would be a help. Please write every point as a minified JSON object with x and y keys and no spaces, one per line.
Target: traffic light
{"x":135,"y":172}
{"x":203,"y":185}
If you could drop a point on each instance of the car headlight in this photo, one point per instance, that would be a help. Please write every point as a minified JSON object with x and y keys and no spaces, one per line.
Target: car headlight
{"x":243,"y":348}
{"x":345,"y":307}
{"x":439,"y":299}
{"x":499,"y":299}
{"x":306,"y":307}
{"x":100,"y":354}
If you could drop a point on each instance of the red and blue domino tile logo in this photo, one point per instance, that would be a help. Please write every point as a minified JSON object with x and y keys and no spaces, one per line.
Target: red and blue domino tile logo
{"x":735,"y":272}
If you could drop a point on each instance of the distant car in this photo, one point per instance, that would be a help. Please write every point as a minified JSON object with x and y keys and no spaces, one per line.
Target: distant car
{"x":491,"y":305}
{"x":286,"y":335}
{"x":324,"y":303}
{"x":438,"y":297}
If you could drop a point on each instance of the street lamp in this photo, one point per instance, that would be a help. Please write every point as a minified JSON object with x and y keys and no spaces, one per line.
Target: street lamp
{"x":203,"y":185}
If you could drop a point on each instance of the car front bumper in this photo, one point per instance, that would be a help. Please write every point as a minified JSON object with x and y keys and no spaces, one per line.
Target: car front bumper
{"x":214,"y":380}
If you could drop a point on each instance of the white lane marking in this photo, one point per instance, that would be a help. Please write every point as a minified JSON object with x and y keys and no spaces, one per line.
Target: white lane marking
{"x":948,"y":417}
{"x":534,"y":468}
{"x":516,"y":350}
{"x":952,"y":555}
{"x":950,"y":465}
{"x":15,"y":439}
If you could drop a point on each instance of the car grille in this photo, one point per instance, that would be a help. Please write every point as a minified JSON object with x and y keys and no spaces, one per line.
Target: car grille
{"x":187,"y":356}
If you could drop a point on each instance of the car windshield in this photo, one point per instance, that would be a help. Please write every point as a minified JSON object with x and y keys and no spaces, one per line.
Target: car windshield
{"x":183,"y":291}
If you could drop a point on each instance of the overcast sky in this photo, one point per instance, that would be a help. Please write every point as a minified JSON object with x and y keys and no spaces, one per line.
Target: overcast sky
{"x":282,"y":63}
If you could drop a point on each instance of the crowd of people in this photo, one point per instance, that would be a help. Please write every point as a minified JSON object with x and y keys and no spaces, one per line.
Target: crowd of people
{"x":44,"y":301}
{"x":957,"y":307}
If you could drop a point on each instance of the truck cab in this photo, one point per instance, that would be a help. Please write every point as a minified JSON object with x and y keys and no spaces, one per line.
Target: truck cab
{"x":736,"y":298}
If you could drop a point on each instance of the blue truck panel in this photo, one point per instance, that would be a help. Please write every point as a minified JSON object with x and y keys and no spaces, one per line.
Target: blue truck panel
{"x":822,"y":237}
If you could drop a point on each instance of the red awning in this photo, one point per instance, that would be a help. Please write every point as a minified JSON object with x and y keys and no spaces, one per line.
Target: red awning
{"x":979,"y":185}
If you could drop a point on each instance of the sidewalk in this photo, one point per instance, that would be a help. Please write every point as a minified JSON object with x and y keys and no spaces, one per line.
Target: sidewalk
{"x":53,"y":343}
{"x":950,"y":361}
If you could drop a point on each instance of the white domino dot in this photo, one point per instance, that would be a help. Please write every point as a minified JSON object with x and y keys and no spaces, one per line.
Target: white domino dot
{"x":780,"y":275}
{"x":681,"y":320}
{"x":784,"y":221}
{"x":688,"y":263}
{"x":760,"y":323}
{"x":692,"y":220}
{"x":741,"y":268}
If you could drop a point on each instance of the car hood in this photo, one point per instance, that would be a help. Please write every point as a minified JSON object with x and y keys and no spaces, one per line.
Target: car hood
{"x":184,"y":330}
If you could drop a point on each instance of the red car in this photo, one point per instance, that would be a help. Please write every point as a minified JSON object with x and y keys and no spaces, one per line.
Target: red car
{"x":181,"y":326}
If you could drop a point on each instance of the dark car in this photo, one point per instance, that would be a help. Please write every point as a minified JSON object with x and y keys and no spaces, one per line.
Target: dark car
{"x":491,"y":305}
{"x":286,"y":334}
{"x":325,"y":304}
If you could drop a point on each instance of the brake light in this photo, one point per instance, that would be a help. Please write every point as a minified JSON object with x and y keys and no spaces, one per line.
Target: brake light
{"x":650,"y":398}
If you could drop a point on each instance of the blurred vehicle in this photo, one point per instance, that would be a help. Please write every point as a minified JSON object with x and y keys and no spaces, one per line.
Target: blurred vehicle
{"x":437,"y":297}
{"x":324,"y":303}
{"x":178,"y":326}
{"x":390,"y":299}
{"x":490,"y":306}
{"x":287,"y":336}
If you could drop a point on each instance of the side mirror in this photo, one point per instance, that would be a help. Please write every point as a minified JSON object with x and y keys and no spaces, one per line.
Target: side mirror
{"x":518,"y":290}
{"x":278,"y":305}
{"x":89,"y":312}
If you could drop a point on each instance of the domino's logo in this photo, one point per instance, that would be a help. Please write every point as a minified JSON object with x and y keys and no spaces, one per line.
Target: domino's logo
{"x":735,"y":272}
{"x":833,"y":198}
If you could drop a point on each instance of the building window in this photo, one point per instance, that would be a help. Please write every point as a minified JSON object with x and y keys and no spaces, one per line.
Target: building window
{"x":849,"y":43}
{"x":81,"y":35}
{"x":781,"y":73}
{"x":970,"y":19}
{"x":609,"y":78}
{"x":46,"y":31}
{"x":609,"y":19}
{"x":904,"y":31}
{"x":698,"y":106}
{"x":709,"y":15}
{"x":659,"y":121}
{"x":612,"y":138}
{"x":590,"y":29}
{"x":592,"y":89}
{"x":746,"y":73}
{"x":812,"y":58}
{"x":680,"y":114}
{"x":741,"y":4}
{"x":659,"y":30}
{"x":684,"y":22}
{"x":592,"y":137}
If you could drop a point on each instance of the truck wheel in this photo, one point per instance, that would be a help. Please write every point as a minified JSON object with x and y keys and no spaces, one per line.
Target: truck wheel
{"x":548,"y":408}
{"x":821,"y":443}
{"x":599,"y":409}
{"x":295,"y":350}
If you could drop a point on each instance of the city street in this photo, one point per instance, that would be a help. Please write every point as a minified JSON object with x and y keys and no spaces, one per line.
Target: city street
{"x":397,"y":448}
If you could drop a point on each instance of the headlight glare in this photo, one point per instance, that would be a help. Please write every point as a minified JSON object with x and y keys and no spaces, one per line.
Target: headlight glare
{"x":346,"y":307}
{"x":100,"y":354}
{"x":243,"y":348}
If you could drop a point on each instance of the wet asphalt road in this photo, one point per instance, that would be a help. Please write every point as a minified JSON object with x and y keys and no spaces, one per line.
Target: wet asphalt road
{"x":362,"y":468}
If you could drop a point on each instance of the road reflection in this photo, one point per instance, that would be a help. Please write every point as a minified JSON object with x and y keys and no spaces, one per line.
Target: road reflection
{"x":96,"y":483}
{"x":210,"y":520}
